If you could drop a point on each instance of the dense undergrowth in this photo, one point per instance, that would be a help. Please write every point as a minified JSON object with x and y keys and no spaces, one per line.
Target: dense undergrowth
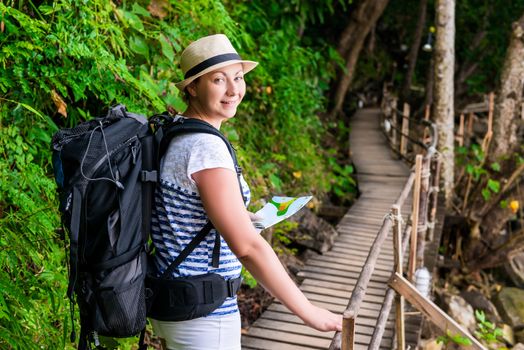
{"x":65,"y":61}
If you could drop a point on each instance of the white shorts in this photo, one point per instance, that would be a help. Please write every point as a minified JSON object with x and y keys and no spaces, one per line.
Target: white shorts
{"x":210,"y":333}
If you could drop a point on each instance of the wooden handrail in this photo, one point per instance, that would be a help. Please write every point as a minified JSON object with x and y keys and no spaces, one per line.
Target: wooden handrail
{"x":345,"y":339}
{"x":359,"y":291}
{"x":380,"y":325}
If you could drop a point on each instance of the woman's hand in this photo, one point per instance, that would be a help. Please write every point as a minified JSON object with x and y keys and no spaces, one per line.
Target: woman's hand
{"x":322,"y":319}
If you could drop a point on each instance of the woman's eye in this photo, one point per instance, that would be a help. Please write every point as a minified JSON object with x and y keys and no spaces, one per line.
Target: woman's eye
{"x":218,"y":80}
{"x":239,"y":78}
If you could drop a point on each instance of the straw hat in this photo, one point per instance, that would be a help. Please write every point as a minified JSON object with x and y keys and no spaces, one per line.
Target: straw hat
{"x":208,"y":54}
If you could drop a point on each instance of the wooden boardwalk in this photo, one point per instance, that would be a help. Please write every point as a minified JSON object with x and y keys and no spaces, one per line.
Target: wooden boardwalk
{"x":328,"y":279}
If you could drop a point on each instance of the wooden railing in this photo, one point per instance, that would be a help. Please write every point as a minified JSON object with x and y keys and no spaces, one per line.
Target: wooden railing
{"x":423,"y":185}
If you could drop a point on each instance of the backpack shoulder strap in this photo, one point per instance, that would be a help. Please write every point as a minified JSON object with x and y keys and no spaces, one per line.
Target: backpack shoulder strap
{"x":170,"y":129}
{"x":190,"y":125}
{"x":188,"y":249}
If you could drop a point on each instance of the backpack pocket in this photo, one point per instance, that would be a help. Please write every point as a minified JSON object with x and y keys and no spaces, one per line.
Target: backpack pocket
{"x":184,"y":298}
{"x":120,"y":300}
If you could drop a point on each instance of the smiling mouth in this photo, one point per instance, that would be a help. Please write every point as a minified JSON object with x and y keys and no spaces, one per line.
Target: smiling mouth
{"x":229,"y":102}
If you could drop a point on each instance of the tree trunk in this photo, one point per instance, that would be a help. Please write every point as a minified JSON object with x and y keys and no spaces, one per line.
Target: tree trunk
{"x":487,"y":247}
{"x":509,"y":97}
{"x":415,"y":47}
{"x":443,"y":107}
{"x":361,"y":21}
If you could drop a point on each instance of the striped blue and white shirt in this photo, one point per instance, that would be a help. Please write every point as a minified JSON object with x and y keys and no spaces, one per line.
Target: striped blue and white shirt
{"x":178,"y":214}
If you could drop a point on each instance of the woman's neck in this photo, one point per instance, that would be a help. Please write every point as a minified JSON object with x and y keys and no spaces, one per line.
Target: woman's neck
{"x":192,"y":112}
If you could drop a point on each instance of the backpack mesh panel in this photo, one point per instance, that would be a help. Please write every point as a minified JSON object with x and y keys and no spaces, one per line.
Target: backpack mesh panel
{"x":122,"y":309}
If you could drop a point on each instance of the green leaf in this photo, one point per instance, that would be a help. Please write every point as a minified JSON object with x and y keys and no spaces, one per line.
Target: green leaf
{"x":462,"y":150}
{"x":167,"y":49}
{"x":139,"y":10}
{"x":138,"y":45}
{"x":133,"y":21}
{"x":486,"y":194}
{"x":231,"y":134}
{"x":495,"y":166}
{"x":494,"y":185}
{"x":479,"y":314}
{"x":276,"y":182}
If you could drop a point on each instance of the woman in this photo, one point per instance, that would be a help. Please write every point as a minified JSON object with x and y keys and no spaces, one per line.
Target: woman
{"x":199,"y":183}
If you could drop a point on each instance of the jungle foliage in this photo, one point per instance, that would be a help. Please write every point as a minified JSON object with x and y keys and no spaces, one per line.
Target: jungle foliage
{"x":66,"y":61}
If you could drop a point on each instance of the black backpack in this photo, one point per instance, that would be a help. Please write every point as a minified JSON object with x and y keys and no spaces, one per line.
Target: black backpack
{"x":106,"y":171}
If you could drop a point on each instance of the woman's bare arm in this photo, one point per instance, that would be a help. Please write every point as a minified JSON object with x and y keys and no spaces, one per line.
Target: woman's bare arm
{"x":221,"y":198}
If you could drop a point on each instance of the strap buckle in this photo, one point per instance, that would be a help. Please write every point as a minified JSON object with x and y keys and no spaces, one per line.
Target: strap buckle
{"x":230,"y":288}
{"x":233,"y":285}
{"x":238,"y":170}
{"x":149,"y":176}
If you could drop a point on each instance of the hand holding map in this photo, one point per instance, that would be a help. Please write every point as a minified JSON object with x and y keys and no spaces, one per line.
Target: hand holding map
{"x":278,"y":209}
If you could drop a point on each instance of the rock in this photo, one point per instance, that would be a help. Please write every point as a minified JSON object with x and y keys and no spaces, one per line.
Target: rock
{"x":460,"y":311}
{"x":478,"y":301}
{"x":515,"y":269}
{"x":510,"y":304}
{"x":519,"y":336}
{"x":518,"y":346}
{"x":313,"y":232}
{"x":507,"y":334}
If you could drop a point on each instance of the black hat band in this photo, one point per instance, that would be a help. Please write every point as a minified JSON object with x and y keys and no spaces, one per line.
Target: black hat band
{"x":211,"y":62}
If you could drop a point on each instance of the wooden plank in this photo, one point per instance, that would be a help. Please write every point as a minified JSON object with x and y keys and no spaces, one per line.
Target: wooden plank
{"x":343,"y":274}
{"x":293,"y":328}
{"x":432,"y":311}
{"x":384,"y":255}
{"x":331,"y":307}
{"x":307,"y":289}
{"x":363,"y":323}
{"x":381,"y":263}
{"x":368,"y":309}
{"x":351,"y":263}
{"x":249,"y":342}
{"x":344,"y":267}
{"x":289,"y":338}
{"x":348,"y":238}
{"x":338,"y":279}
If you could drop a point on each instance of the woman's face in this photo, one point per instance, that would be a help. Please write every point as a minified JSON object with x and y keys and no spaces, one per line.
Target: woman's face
{"x":218,"y":93}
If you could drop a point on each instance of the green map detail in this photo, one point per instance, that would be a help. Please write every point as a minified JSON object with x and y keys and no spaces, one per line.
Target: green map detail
{"x":283,"y":207}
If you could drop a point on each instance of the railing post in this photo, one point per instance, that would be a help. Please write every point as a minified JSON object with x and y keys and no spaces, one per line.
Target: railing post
{"x":469,"y":127}
{"x":348,"y":331}
{"x":460,"y":135}
{"x":394,"y":123}
{"x":414,"y":218}
{"x":433,"y":197}
{"x":423,"y":209}
{"x":405,"y":130}
{"x":399,"y":299}
{"x":489,"y":133}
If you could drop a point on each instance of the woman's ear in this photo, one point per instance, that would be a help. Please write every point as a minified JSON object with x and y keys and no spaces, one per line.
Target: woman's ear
{"x":191,"y":89}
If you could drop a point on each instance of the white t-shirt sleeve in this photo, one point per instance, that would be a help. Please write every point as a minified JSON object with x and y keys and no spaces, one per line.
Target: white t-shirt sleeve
{"x":188,"y":154}
{"x":208,"y":152}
